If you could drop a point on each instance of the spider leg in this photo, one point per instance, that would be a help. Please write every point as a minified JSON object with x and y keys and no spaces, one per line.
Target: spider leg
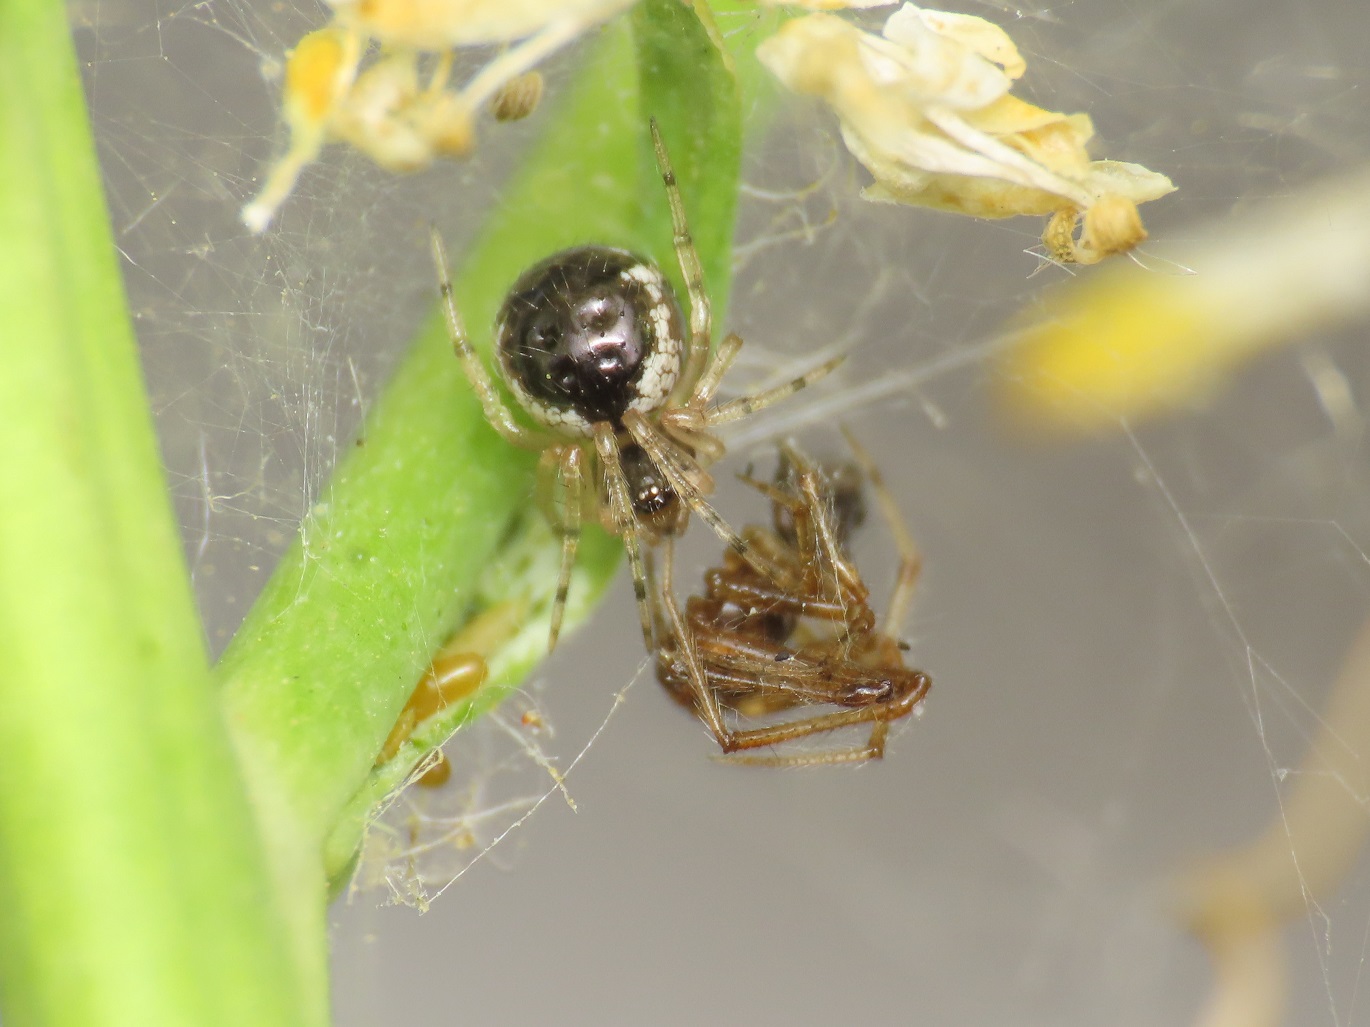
{"x":499,"y":415}
{"x":707,"y":385}
{"x":879,"y":715}
{"x":744,"y":405}
{"x":814,"y":491}
{"x":874,"y":749}
{"x":568,"y":474}
{"x":701,"y":317}
{"x":706,"y":702}
{"x":625,"y":524}
{"x":910,"y":560}
{"x":826,"y":584}
{"x":684,"y":476}
{"x":685,"y":426}
{"x":777,"y":495}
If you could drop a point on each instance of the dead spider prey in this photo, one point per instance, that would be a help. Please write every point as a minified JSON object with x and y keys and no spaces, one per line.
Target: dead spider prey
{"x":801,"y":635}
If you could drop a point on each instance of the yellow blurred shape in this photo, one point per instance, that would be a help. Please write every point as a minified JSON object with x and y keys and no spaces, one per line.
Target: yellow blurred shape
{"x":1237,"y":902}
{"x":1127,"y":342}
{"x":316,"y":75}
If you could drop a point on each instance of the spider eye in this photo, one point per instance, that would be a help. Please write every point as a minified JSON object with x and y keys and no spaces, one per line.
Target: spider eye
{"x":565,"y":377}
{"x":601,"y":315}
{"x":542,"y":337}
{"x":610,"y":363}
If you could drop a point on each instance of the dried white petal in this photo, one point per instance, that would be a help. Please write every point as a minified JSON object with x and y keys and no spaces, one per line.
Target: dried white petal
{"x":975,"y":34}
{"x":927,"y":108}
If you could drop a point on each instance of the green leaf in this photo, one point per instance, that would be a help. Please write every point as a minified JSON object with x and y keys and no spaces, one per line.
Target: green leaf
{"x":133,"y":887}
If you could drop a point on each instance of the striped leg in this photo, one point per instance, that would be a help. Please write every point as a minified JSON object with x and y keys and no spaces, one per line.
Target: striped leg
{"x":910,"y":560}
{"x":706,"y":702}
{"x":878,"y":715}
{"x":625,"y":524}
{"x":701,"y":316}
{"x":707,"y":385}
{"x":499,"y":415}
{"x":744,"y":405}
{"x":567,"y":522}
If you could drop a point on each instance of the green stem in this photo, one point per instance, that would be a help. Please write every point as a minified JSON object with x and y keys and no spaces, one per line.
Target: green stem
{"x":132,"y":881}
{"x":389,"y":562}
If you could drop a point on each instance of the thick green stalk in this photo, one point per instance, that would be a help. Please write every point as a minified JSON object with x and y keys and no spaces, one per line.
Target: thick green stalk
{"x":389,"y":562}
{"x":593,"y":179}
{"x":132,"y":883}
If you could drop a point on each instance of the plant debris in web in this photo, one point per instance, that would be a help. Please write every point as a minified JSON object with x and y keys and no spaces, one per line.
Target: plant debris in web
{"x":376,"y":78}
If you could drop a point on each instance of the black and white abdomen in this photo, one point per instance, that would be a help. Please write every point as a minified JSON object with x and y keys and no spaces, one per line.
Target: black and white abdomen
{"x":589,"y":334}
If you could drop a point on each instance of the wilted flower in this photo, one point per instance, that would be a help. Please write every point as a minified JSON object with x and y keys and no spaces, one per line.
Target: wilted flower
{"x":926,"y":107}
{"x":389,"y":110}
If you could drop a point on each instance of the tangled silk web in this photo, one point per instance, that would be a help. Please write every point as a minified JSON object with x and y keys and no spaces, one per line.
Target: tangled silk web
{"x":422,"y":840}
{"x":1132,"y":636}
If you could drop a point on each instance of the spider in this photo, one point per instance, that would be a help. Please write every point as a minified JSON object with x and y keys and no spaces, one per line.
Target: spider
{"x":592,"y":344}
{"x":758,"y":648}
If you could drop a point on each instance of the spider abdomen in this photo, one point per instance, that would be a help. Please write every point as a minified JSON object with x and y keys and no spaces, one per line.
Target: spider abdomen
{"x":589,"y":334}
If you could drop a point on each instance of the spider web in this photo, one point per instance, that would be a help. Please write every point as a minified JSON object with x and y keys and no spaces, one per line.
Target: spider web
{"x":1132,"y":638}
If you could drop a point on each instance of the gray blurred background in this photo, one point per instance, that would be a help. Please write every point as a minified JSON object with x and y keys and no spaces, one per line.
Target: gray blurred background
{"x":1130,"y":636}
